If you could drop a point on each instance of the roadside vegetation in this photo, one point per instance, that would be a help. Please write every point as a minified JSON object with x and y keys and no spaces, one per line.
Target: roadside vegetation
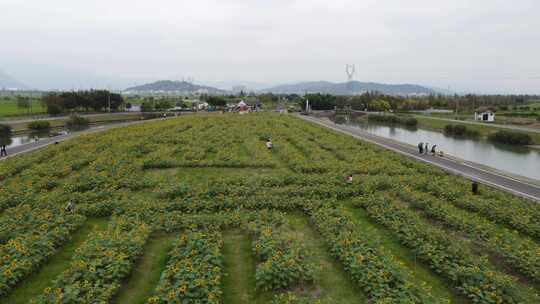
{"x":39,"y":125}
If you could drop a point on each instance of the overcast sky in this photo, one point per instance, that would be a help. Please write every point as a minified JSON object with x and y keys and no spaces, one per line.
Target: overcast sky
{"x":467,"y":45}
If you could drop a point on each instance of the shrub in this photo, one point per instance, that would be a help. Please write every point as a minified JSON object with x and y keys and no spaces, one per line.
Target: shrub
{"x":146,"y":116}
{"x":5,"y":135}
{"x":77,"y":122}
{"x":410,"y":121}
{"x":460,"y":130}
{"x":393,"y":119}
{"x":5,"y":130}
{"x":512,"y":138}
{"x":54,"y":109}
{"x":39,"y":125}
{"x":147,"y":106}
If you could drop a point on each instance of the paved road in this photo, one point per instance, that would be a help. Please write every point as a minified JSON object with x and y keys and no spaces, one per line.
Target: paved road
{"x":466,"y":170}
{"x":524,"y":129}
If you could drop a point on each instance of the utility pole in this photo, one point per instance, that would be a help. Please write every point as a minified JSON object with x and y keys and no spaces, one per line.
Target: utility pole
{"x":109,"y":100}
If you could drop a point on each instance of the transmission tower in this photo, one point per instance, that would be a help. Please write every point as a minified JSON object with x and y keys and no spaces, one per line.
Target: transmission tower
{"x":350,"y":70}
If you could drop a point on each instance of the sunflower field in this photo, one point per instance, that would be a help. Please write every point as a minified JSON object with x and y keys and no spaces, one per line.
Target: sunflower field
{"x":196,"y":209}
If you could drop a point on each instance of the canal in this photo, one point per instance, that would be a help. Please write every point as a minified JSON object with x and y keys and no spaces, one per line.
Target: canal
{"x":515,"y":160}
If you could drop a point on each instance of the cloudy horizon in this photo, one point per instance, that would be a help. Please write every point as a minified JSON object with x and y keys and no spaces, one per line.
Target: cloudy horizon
{"x":467,"y":46}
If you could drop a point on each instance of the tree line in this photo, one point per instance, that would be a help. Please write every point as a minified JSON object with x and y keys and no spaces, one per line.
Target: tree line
{"x":96,"y":100}
{"x":374,"y":101}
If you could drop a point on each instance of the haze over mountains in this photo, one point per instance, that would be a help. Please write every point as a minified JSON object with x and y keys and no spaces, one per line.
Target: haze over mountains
{"x":224,"y":87}
{"x":8,"y":82}
{"x":174,"y":86}
{"x":349,"y":88}
{"x":325,"y":87}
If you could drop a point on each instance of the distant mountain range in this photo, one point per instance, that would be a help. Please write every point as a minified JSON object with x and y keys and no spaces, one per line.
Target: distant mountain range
{"x":8,"y":82}
{"x":350,"y":88}
{"x":170,"y":86}
{"x":325,"y":87}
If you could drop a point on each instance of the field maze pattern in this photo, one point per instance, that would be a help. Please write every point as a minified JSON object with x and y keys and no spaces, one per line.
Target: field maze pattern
{"x":197,"y":210}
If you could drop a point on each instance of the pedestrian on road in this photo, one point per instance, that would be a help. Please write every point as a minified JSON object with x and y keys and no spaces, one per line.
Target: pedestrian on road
{"x":426,"y":148}
{"x":3,"y":151}
{"x":421,"y":147}
{"x":434,"y":150}
{"x":474,"y":188}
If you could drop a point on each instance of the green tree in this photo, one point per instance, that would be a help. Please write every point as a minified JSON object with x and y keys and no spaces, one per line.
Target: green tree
{"x":380,"y":105}
{"x":147,"y":106}
{"x":216,"y":101}
{"x":23,"y":103}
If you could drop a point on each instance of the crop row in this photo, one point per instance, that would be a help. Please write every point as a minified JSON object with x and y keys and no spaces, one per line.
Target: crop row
{"x":511,"y":212}
{"x":99,"y":265}
{"x":282,"y":258}
{"x":472,"y":276}
{"x":22,"y":255}
{"x":518,"y":251}
{"x":194,"y":270}
{"x":382,"y":278}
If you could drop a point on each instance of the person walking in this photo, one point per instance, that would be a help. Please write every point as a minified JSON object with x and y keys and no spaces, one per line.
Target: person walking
{"x":474,"y":187}
{"x":3,"y":151}
{"x":70,"y":207}
{"x":421,"y":147}
{"x":426,"y":148}
{"x":269,"y":144}
{"x":348,"y":180}
{"x":434,"y":150}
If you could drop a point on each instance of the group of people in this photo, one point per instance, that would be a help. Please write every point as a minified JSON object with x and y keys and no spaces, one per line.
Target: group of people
{"x":3,"y":151}
{"x":424,"y":149}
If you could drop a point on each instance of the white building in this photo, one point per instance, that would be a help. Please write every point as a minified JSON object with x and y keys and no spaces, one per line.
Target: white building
{"x":487,"y":116}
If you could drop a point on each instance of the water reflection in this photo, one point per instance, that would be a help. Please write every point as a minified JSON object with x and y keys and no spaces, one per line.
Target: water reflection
{"x":514,"y":159}
{"x":18,"y":140}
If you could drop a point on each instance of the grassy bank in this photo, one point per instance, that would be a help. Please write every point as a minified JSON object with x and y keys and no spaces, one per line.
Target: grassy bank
{"x":8,"y":108}
{"x":483,"y":130}
{"x":22,"y":127}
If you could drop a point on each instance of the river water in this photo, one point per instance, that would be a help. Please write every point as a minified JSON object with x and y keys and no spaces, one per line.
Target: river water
{"x":516,"y":160}
{"x":18,"y":140}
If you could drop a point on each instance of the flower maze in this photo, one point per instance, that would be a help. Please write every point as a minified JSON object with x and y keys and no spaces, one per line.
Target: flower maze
{"x":236,"y":222}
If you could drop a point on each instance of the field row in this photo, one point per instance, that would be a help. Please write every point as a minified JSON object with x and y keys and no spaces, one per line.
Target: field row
{"x":200,"y":205}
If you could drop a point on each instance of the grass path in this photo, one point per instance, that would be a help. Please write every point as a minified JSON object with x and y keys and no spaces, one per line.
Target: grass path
{"x":34,"y":285}
{"x":145,"y":276}
{"x":239,"y":278}
{"x":420,"y":272}
{"x":331,"y":282}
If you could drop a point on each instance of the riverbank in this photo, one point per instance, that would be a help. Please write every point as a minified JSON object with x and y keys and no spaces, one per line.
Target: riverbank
{"x":438,"y":124}
{"x":20,"y":126}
